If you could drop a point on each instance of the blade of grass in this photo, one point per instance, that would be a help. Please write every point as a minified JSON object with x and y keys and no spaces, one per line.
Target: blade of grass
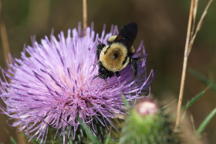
{"x":203,"y":78}
{"x":198,"y":75}
{"x":70,"y":142}
{"x":89,"y":134}
{"x":196,"y":97}
{"x":206,"y":121}
{"x":12,"y":140}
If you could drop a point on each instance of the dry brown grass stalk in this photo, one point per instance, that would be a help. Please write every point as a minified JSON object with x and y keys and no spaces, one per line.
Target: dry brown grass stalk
{"x":199,"y":24}
{"x":8,"y":60}
{"x":4,"y":38}
{"x":192,"y":31}
{"x":5,"y":43}
{"x":85,"y":14}
{"x":20,"y":137}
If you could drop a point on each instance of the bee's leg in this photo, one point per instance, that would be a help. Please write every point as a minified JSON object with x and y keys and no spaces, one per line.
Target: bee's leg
{"x":103,"y":72}
{"x":134,"y":65}
{"x":117,"y":74}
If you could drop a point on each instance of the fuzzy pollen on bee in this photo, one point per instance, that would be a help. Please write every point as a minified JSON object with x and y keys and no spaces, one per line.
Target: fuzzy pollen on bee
{"x":114,"y":57}
{"x":111,"y":39}
{"x":117,"y":54}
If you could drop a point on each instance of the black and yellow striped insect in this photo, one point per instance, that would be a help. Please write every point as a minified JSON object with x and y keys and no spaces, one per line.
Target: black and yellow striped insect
{"x":117,"y":54}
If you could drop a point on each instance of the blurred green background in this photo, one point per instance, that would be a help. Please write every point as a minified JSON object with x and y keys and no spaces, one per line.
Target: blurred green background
{"x":162,"y":26}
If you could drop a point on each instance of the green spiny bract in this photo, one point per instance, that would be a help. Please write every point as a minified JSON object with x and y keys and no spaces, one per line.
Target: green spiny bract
{"x":153,"y":127}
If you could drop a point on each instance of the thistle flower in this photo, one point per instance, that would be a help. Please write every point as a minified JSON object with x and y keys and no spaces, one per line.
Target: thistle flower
{"x":54,"y":84}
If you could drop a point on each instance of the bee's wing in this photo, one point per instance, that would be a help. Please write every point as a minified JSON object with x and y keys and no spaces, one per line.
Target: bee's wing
{"x":129,"y":31}
{"x":127,"y":34}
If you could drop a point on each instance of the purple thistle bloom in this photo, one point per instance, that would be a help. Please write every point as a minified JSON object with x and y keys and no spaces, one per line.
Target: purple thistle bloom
{"x":53,"y":84}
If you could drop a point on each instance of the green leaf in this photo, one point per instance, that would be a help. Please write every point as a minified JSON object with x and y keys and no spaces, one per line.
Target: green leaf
{"x":206,"y":121}
{"x":196,"y":97}
{"x":89,"y":134}
{"x":12,"y":140}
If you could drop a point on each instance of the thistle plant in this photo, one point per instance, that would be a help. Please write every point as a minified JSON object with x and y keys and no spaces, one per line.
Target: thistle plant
{"x":53,"y":93}
{"x":148,"y":124}
{"x":152,"y":122}
{"x":54,"y":85}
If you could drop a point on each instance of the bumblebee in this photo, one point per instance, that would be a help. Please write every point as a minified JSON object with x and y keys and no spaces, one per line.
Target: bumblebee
{"x":117,"y":54}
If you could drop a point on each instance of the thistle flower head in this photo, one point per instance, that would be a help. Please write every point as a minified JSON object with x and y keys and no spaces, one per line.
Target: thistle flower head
{"x":146,"y":106}
{"x":53,"y":84}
